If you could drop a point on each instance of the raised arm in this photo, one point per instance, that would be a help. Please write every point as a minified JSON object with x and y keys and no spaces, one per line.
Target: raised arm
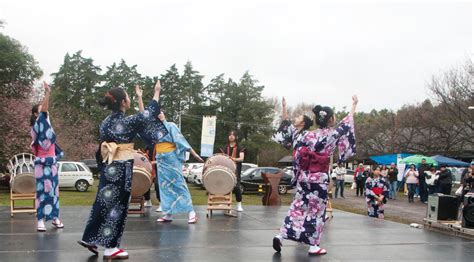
{"x":139,"y":93}
{"x":284,"y":112}
{"x":47,"y":92}
{"x":156,"y":96}
{"x":355,"y":100}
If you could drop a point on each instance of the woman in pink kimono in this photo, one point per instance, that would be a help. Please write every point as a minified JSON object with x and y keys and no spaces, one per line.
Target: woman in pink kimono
{"x":305,"y":219}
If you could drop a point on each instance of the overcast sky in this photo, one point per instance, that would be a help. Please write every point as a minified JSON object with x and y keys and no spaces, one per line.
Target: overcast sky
{"x":307,"y":51}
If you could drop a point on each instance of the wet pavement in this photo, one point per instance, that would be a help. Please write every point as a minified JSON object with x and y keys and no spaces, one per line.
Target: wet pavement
{"x":348,"y":237}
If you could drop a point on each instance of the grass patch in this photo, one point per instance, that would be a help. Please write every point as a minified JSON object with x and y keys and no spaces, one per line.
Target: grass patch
{"x":71,"y":197}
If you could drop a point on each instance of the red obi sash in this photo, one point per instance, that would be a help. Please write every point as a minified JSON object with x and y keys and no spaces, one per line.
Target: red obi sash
{"x":313,"y":162}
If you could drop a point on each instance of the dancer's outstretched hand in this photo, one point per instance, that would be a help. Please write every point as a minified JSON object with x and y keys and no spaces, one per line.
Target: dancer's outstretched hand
{"x":46,"y":87}
{"x":355,"y":100}
{"x":283,"y":102}
{"x":138,"y":91}
{"x":156,"y":96}
{"x":158,"y":86}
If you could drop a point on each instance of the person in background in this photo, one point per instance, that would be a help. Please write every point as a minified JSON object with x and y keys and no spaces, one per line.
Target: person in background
{"x":341,"y":172}
{"x":445,"y":180}
{"x":333,"y":182}
{"x":359,"y":178}
{"x":466,"y":173}
{"x":422,"y":186}
{"x":375,"y":191}
{"x":468,"y":181}
{"x":384,"y":173}
{"x":393,"y":181}
{"x":237,"y":153}
{"x":431,"y":177}
{"x":411,"y":181}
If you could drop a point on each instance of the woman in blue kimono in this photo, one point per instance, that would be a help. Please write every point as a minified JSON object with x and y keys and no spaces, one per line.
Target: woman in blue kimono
{"x":47,"y":153}
{"x":109,"y":211}
{"x":376,"y":191}
{"x":306,"y":217}
{"x":170,"y":149}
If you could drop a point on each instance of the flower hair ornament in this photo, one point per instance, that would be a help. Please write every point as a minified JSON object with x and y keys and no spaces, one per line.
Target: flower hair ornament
{"x":108,"y":94}
{"x":322,"y":114}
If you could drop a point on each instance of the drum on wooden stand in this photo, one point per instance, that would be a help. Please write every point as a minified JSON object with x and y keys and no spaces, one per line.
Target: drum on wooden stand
{"x":22,"y":168}
{"x":219,"y":174}
{"x":219,"y":179}
{"x":142,"y":178}
{"x":22,"y":182}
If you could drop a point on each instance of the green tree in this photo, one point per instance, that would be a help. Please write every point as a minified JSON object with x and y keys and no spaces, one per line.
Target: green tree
{"x":18,"y":68}
{"x":18,"y":72}
{"x":125,"y":77}
{"x":172,"y":94}
{"x":77,"y":84}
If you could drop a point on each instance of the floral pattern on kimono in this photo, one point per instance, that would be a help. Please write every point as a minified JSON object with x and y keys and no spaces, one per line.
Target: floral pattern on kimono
{"x":375,"y":209}
{"x":290,"y":138}
{"x":306,"y":217}
{"x":46,"y":168}
{"x":109,"y":212}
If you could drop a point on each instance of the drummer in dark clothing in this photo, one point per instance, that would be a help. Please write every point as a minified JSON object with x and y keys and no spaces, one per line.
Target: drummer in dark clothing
{"x":445,"y":180}
{"x":237,"y":153}
{"x":422,"y":180}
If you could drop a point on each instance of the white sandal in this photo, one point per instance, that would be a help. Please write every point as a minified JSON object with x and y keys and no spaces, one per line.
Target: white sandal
{"x":193,"y":220}
{"x":58,"y":225}
{"x":120,"y":254}
{"x":317,"y":252}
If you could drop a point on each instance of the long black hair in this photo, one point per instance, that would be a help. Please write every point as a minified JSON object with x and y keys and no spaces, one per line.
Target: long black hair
{"x":233,"y":132}
{"x":34,"y":113}
{"x":113,"y":98}
{"x":322,"y":115}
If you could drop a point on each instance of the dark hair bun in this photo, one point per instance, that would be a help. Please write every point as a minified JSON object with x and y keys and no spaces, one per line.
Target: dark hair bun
{"x":322,"y":115}
{"x":316,"y":109}
{"x":106,"y":101}
{"x":113,"y":98}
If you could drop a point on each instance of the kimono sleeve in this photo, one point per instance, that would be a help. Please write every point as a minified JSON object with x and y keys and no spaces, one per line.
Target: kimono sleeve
{"x":42,"y":133}
{"x":344,"y":134}
{"x":285,"y":134}
{"x":140,"y":119}
{"x":182,"y":145}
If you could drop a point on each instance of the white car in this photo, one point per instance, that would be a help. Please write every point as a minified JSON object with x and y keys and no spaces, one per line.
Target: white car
{"x":187,"y":167}
{"x":75,"y":174}
{"x":246,"y":166}
{"x":195,"y":175}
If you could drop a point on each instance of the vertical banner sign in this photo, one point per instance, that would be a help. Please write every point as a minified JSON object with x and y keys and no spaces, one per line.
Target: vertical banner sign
{"x":208,"y":135}
{"x":401,"y":167}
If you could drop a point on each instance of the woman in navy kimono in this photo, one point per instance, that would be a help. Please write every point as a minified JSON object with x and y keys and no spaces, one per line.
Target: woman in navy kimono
{"x":170,"y":149}
{"x":47,"y":153}
{"x":305,"y":219}
{"x":376,"y":191}
{"x":109,"y":211}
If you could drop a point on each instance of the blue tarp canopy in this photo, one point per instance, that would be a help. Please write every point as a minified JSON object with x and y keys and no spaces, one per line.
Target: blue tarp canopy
{"x":388,"y":159}
{"x":442,"y":160}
